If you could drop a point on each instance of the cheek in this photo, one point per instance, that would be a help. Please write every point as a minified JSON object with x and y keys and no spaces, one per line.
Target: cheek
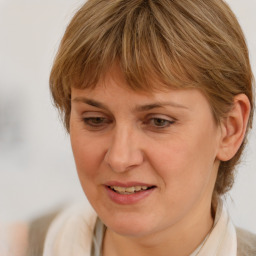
{"x":174,"y":165}
{"x":88,"y":154}
{"x":187,"y":176}
{"x":88,"y":157}
{"x":186,"y":161}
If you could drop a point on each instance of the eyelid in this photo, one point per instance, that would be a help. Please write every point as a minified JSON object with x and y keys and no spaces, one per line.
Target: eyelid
{"x":152,"y":118}
{"x":95,"y":120}
{"x":93,"y":114}
{"x":161,"y":116}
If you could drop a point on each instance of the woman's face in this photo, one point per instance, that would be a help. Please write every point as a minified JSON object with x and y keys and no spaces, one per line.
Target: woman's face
{"x":146,"y":162}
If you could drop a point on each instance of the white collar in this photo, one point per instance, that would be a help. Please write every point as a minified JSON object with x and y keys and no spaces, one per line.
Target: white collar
{"x":71,"y":234}
{"x":222,"y":240}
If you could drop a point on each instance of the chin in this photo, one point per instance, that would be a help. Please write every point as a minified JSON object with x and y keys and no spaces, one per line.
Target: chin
{"x":127,"y":230}
{"x":130,"y":226}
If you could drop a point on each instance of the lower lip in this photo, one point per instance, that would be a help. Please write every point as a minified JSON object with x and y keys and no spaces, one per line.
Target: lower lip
{"x":128,"y":198}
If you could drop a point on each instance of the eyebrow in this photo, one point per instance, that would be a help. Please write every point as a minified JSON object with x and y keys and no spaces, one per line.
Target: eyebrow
{"x":91,"y":102}
{"x":141,"y":108}
{"x":148,"y":107}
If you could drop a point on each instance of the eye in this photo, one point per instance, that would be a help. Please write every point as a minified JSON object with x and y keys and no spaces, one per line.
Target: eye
{"x":96,"y":122}
{"x":159,"y":122}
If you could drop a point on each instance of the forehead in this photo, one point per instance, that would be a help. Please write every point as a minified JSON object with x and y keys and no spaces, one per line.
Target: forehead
{"x":114,"y":92}
{"x":115,"y":97}
{"x":114,"y":86}
{"x":115,"y":75}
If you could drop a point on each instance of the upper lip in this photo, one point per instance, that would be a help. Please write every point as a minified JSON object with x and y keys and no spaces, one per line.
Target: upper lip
{"x":127,"y":184}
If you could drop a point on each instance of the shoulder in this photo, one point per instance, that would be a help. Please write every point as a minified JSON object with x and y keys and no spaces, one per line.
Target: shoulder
{"x":37,"y":231}
{"x":246,"y":243}
{"x":13,"y":239}
{"x":25,"y":239}
{"x":63,"y":226}
{"x":71,"y":232}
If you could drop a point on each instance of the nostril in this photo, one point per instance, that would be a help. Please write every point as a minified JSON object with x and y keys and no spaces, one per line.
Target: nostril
{"x":122,"y":155}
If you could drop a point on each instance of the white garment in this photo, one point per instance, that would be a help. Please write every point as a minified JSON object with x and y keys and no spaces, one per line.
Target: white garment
{"x":222,"y":240}
{"x":71,"y":234}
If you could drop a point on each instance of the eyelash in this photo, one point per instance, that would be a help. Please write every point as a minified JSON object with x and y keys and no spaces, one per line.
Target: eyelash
{"x":90,"y":121}
{"x":100,"y":122}
{"x":166,"y":122}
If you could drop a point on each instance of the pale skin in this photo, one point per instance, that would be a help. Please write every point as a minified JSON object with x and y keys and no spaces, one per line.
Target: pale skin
{"x":167,"y":139}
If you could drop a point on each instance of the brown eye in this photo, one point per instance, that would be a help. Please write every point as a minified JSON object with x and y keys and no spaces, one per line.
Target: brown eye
{"x":95,"y":121}
{"x":159,"y":122}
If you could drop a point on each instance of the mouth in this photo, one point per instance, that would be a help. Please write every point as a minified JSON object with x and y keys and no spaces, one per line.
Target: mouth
{"x":129,"y":193}
{"x":130,"y":190}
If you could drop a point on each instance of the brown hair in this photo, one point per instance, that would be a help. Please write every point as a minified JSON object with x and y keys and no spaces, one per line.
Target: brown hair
{"x":180,"y":43}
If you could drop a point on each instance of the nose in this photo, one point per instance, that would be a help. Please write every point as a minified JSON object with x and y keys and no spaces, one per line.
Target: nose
{"x":124,"y":152}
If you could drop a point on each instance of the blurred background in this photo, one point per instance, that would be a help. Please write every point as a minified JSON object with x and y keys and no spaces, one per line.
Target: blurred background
{"x":37,"y":172}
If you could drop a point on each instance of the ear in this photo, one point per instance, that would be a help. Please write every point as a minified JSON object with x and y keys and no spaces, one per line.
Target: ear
{"x":233,"y":128}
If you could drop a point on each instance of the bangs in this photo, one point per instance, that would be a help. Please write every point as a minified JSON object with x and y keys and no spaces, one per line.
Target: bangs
{"x":147,"y":52}
{"x":157,"y":45}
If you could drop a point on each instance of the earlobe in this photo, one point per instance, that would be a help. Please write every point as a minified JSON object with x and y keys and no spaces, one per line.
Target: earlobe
{"x":233,"y":128}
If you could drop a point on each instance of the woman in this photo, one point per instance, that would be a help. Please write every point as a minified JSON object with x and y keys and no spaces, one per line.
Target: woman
{"x":157,"y":98}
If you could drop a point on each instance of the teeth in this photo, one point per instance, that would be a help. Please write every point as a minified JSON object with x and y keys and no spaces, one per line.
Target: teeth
{"x":129,"y":190}
{"x":138,"y":188}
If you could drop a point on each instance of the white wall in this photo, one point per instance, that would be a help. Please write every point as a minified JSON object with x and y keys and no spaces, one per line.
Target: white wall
{"x":36,"y":166}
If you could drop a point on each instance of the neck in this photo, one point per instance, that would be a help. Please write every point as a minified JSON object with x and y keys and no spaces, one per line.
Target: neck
{"x":179,"y":240}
